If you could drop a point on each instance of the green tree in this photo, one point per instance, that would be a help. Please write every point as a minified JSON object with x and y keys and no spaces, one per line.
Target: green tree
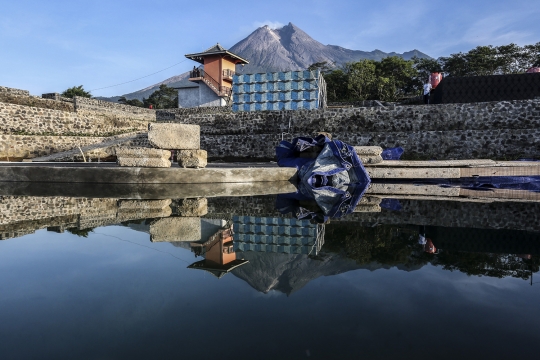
{"x":396,"y":77}
{"x":424,"y":67}
{"x":163,"y":98}
{"x":336,"y":85}
{"x":76,"y":91}
{"x":492,"y":60}
{"x":132,"y":102}
{"x":323,"y":66}
{"x":361,"y":79}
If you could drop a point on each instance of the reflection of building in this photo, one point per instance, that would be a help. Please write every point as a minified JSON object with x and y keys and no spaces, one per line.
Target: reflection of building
{"x":218,"y":251}
{"x":283,"y":235}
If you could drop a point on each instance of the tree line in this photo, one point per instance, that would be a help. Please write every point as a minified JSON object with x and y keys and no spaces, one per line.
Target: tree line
{"x":390,"y":79}
{"x":394,"y":78}
{"x":163,"y":98}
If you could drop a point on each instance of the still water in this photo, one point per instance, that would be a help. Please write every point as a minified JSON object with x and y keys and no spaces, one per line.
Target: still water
{"x":91,"y":278}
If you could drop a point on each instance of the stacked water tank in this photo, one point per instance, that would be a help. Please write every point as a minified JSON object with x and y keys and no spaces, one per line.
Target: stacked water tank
{"x":291,"y":90}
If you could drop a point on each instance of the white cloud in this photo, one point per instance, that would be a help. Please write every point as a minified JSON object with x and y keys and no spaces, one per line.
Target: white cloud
{"x":496,"y":30}
{"x":271,"y":24}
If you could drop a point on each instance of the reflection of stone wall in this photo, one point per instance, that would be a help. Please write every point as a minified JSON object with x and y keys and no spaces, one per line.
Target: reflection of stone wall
{"x":495,"y":215}
{"x":20,"y":215}
{"x":493,"y":129}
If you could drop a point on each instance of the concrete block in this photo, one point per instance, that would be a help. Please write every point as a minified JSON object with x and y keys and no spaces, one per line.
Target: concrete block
{"x":192,"y":207}
{"x":143,"y":204}
{"x":192,"y":158}
{"x":131,"y":214}
{"x":371,"y":159}
{"x":174,"y":136}
{"x":142,"y":152}
{"x":143,"y":162}
{"x":368,"y":150}
{"x":176,"y":229}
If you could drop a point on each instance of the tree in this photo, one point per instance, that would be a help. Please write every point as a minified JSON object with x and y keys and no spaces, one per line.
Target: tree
{"x":132,"y":102}
{"x":164,"y":98}
{"x":76,"y":91}
{"x":336,"y":85}
{"x":492,"y":60}
{"x":360,"y":79}
{"x":323,"y":66}
{"x":396,"y":77}
{"x":424,"y":67}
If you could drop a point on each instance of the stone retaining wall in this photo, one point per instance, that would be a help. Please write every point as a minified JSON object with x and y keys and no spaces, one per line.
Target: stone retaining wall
{"x":12,"y":91}
{"x":20,"y":119}
{"x":501,"y":130}
{"x":93,"y":107}
{"x":35,"y":101}
{"x":17,"y":147}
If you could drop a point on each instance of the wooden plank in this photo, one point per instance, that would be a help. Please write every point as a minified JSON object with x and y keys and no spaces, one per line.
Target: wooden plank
{"x":410,"y":189}
{"x":436,"y":163}
{"x":501,"y":171}
{"x":413,"y":173}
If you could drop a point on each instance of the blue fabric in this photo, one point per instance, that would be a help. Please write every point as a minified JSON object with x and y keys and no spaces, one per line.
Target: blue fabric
{"x":332,"y":178}
{"x":392,"y":153}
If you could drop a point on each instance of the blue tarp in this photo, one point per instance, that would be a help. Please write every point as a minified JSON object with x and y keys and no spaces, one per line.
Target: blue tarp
{"x":331,"y":177}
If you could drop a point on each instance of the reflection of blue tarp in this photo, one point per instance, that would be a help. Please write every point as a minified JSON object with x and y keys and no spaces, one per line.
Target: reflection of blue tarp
{"x":331,"y":178}
{"x":529,"y":183}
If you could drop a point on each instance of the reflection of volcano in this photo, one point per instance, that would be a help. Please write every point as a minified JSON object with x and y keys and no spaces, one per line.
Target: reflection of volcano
{"x":288,"y":273}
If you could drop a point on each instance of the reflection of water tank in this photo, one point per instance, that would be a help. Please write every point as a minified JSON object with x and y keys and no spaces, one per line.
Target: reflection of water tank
{"x":435,"y":78}
{"x":533,"y":70}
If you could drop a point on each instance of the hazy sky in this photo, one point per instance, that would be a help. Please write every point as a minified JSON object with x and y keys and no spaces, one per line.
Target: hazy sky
{"x":48,"y":46}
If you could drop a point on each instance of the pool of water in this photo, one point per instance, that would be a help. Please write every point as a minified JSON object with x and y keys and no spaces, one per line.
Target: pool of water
{"x":95,"y":278}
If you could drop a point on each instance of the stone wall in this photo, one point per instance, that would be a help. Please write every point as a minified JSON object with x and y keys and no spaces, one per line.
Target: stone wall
{"x":35,"y":101}
{"x":20,"y":119}
{"x":12,"y":91}
{"x":500,"y":130}
{"x":18,"y":147}
{"x":93,"y":107}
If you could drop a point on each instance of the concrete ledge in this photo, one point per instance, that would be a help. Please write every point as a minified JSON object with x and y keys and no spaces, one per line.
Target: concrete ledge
{"x":145,"y":191}
{"x":143,"y":204}
{"x":143,"y":162}
{"x":142,"y":152}
{"x":112,"y":174}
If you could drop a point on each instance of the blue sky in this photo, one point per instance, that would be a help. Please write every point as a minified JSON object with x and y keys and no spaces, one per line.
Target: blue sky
{"x":48,"y":46}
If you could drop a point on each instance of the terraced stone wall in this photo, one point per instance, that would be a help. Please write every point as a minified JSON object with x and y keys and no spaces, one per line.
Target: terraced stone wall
{"x":93,"y":107}
{"x":499,"y":130}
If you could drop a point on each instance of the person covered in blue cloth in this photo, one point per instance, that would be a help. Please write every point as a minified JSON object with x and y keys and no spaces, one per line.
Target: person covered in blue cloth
{"x":331,"y":177}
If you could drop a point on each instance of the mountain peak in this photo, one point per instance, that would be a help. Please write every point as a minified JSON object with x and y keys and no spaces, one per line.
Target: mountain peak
{"x":284,"y":49}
